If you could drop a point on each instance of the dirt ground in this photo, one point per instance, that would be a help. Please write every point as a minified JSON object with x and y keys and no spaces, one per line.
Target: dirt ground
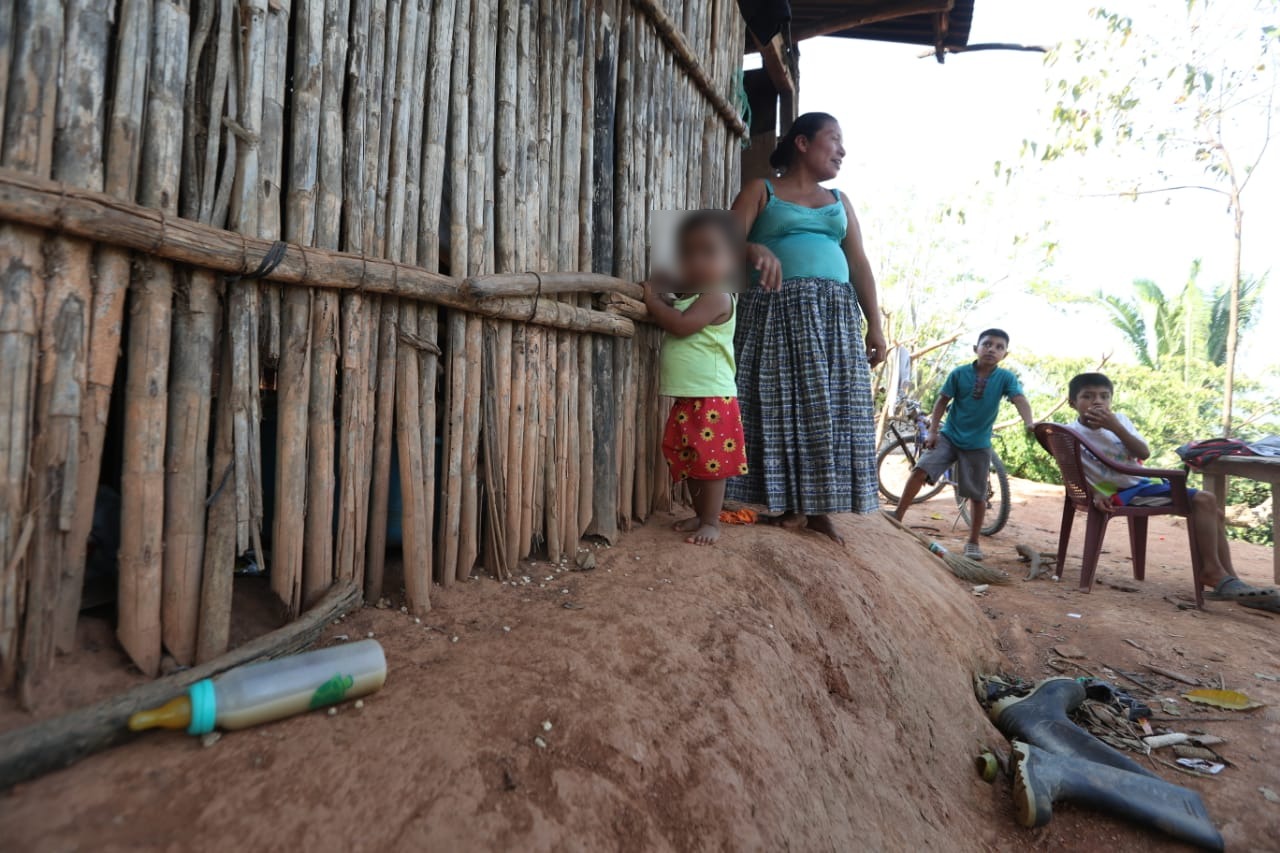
{"x":772,"y":693}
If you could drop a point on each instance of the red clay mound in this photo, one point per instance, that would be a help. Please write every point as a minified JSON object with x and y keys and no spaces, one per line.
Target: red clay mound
{"x":774,"y":692}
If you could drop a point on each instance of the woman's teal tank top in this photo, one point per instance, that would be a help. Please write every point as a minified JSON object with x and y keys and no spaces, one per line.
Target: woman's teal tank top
{"x":805,"y":239}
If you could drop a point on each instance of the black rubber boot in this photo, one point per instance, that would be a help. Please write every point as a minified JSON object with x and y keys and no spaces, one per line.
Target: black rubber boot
{"x":1040,"y":779}
{"x":1040,"y":718}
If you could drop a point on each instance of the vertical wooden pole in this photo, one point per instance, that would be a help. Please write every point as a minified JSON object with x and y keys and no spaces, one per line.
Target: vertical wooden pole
{"x":381,"y":76}
{"x":435,"y":139}
{"x":410,"y":79}
{"x":55,"y":457}
{"x":196,"y":317}
{"x":604,"y":492}
{"x":359,"y":315}
{"x":218,"y":563}
{"x":318,"y":549}
{"x":122,"y":148}
{"x":455,"y":401}
{"x":28,"y":141}
{"x":271,"y":165}
{"x":293,"y":382}
{"x":147,"y":379}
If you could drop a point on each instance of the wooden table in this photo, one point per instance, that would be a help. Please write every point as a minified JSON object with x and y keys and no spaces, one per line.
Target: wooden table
{"x":1265,"y":469}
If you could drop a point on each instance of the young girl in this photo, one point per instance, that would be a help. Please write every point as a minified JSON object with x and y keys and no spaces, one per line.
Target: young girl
{"x":703,"y":439}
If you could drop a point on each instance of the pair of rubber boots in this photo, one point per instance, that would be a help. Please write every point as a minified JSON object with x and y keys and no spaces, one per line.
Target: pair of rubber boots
{"x":1054,"y":759}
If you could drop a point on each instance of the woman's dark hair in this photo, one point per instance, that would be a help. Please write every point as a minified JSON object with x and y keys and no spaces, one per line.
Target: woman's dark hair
{"x":808,"y":125}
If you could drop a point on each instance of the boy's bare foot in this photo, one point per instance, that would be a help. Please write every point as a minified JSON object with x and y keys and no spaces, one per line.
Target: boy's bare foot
{"x":707,"y":534}
{"x":687,"y":525}
{"x":823,"y":524}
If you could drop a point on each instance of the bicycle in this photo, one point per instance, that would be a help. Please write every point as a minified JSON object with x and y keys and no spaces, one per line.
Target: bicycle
{"x":904,"y":442}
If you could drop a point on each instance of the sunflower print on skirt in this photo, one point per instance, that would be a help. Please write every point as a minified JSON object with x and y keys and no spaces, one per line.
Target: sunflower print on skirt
{"x":703,"y":439}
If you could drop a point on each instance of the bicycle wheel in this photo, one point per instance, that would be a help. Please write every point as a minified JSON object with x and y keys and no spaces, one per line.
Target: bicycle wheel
{"x":893,"y":468}
{"x":997,"y":500}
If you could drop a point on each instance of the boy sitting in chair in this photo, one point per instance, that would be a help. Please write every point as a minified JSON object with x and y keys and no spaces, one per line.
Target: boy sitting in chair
{"x":1090,"y":394}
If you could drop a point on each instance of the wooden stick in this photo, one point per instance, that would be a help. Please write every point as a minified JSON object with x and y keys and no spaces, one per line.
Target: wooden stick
{"x":27,"y":146}
{"x":469,"y":533}
{"x":52,"y":206}
{"x":530,"y":458}
{"x":218,"y":563}
{"x":495,"y":410}
{"x":519,"y":419}
{"x":31,"y":751}
{"x":220,"y":534}
{"x":547,"y":284}
{"x":146,"y":387}
{"x":318,"y":549}
{"x":122,"y":149}
{"x":688,"y":60}
{"x":416,"y":544}
{"x":417,"y":549}
{"x":55,"y":454}
{"x":455,"y":418}
{"x":293,"y":382}
{"x":383,"y":436}
{"x":271,"y":164}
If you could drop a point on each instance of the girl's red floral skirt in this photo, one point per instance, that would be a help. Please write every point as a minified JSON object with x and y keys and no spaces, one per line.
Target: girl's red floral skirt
{"x":703,"y":439}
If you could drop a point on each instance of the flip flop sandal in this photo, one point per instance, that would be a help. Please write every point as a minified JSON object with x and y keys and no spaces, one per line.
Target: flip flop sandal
{"x":1234,"y":589}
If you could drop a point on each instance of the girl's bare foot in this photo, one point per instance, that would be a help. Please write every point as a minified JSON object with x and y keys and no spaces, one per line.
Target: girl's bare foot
{"x":687,"y":525}
{"x":823,"y":524}
{"x":707,"y":534}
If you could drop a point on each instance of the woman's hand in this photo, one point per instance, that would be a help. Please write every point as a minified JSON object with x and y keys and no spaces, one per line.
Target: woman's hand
{"x":877,"y":348}
{"x":764,"y":261}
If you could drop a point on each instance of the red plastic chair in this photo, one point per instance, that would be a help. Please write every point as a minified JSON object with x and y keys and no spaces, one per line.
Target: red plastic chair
{"x":1066,"y":447}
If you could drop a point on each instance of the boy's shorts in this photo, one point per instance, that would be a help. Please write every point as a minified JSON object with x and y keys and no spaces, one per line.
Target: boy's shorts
{"x":971,"y":468}
{"x":1153,"y":493}
{"x":703,"y":439}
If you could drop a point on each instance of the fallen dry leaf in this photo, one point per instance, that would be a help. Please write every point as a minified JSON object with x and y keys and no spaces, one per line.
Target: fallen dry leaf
{"x":1230,"y":700}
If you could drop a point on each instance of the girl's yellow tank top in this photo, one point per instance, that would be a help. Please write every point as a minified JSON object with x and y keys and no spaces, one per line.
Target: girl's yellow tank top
{"x":702,"y":364}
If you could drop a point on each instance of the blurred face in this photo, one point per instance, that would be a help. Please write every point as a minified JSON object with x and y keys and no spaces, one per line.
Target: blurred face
{"x":824,"y":152}
{"x":1092,"y":398}
{"x":991,"y":350}
{"x":706,"y":260}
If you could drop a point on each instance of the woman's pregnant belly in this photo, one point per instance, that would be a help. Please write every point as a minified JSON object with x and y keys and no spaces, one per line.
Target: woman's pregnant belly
{"x":811,"y":256}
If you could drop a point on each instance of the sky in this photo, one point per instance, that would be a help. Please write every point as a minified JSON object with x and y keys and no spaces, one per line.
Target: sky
{"x":920,"y":135}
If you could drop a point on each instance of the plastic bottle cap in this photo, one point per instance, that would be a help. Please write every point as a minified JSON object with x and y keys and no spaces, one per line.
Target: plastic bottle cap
{"x":204,"y":707}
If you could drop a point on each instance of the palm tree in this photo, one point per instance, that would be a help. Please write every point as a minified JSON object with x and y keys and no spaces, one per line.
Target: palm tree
{"x":1192,"y":327}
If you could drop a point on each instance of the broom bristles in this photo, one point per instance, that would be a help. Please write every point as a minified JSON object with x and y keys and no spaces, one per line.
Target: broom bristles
{"x":962,"y":567}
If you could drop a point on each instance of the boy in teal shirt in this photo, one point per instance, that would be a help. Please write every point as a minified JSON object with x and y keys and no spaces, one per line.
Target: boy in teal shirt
{"x":973,"y":392}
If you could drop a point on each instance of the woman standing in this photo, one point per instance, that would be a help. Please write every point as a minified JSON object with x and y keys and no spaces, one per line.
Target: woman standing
{"x":804,"y":381}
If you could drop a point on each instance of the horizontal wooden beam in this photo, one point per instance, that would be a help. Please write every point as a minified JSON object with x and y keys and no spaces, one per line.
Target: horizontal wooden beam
{"x":670,"y":35}
{"x":875,"y":14}
{"x":98,"y":217}
{"x":547,"y":284}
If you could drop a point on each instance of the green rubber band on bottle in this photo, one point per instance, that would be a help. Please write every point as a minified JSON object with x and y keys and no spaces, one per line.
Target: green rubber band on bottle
{"x":204,"y":707}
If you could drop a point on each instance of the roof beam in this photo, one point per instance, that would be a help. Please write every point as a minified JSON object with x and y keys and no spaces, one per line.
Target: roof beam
{"x":777,"y":59}
{"x":886,"y":11}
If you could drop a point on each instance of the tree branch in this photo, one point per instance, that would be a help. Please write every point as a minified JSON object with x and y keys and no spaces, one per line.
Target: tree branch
{"x":1123,"y":193}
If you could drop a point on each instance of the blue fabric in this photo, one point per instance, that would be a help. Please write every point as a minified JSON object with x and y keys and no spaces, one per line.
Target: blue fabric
{"x":1151,"y":489}
{"x":805,"y":239}
{"x":969,"y":420}
{"x":804,"y":389}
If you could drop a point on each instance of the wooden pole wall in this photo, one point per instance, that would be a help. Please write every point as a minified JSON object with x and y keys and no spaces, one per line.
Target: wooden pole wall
{"x":407,"y":145}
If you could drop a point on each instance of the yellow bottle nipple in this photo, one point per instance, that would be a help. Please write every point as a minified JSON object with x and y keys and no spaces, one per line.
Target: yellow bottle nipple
{"x":174,"y":714}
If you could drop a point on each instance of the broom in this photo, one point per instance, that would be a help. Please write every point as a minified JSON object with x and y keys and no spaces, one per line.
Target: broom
{"x":962,"y":567}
